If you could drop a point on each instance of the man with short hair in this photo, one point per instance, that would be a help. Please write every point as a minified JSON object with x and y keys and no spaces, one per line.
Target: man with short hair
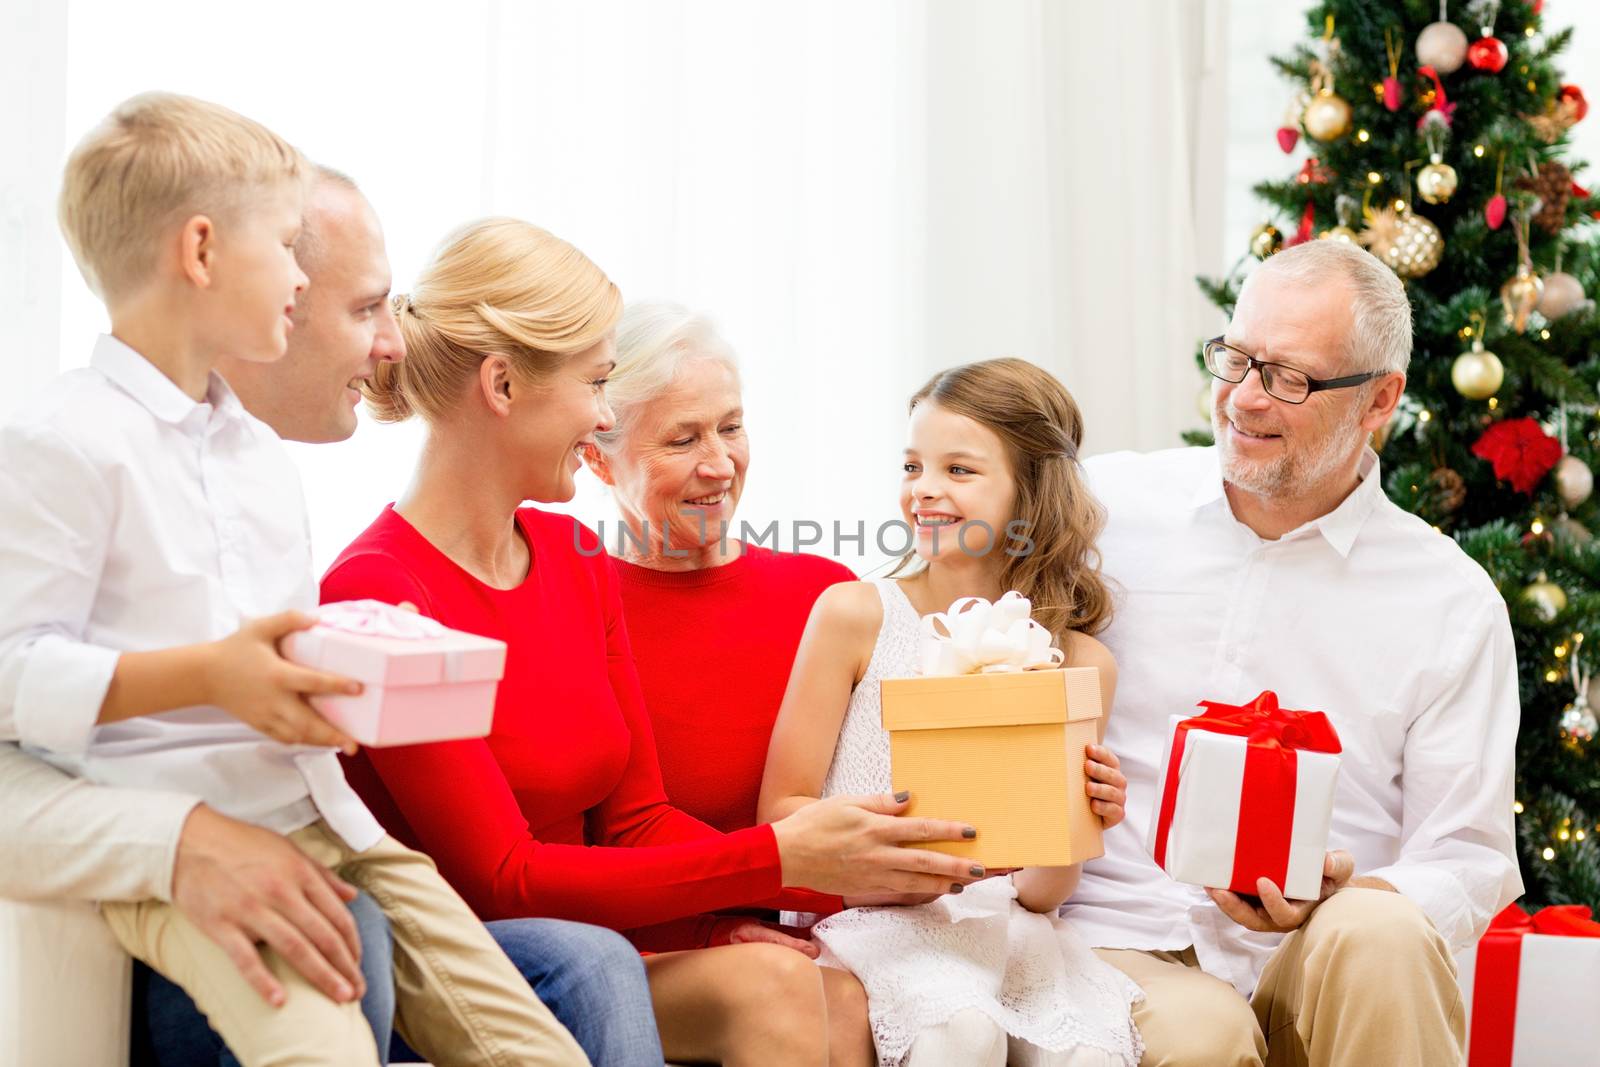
{"x":1273,"y":560}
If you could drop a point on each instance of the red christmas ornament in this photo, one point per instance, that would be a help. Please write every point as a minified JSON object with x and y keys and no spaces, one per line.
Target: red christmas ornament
{"x":1521,"y":452}
{"x":1494,"y":212}
{"x":1538,"y":6}
{"x":1575,"y":95}
{"x":1579,"y":191}
{"x":1308,"y":223}
{"x":1312,"y":172}
{"x":1288,"y":137}
{"x":1392,"y":93}
{"x":1441,"y":102}
{"x":1488,"y":54}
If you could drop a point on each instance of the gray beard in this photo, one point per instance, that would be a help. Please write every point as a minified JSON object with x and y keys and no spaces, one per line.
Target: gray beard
{"x":1294,"y":474}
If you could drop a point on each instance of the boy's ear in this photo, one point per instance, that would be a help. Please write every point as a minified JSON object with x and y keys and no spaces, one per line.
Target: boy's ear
{"x":598,"y":463}
{"x":197,"y":250}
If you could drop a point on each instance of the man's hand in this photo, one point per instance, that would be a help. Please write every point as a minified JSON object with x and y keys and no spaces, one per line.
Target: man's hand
{"x":1277,"y":915}
{"x":1107,"y":786}
{"x":247,"y":676}
{"x":244,"y":886}
{"x":743,"y":930}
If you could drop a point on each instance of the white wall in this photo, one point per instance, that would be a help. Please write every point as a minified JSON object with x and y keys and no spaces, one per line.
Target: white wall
{"x":861,"y":194}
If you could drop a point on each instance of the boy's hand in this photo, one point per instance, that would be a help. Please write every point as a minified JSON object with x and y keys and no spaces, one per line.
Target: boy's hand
{"x":247,"y":676}
{"x":1107,"y":787}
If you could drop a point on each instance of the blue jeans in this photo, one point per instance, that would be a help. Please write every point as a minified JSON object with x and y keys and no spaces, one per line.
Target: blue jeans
{"x":169,"y":1031}
{"x":591,"y":979}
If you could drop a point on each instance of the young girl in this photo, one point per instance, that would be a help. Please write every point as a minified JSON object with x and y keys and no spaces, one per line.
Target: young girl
{"x":990,"y":974}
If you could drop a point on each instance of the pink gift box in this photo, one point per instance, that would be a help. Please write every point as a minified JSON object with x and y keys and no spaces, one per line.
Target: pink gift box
{"x":422,"y":680}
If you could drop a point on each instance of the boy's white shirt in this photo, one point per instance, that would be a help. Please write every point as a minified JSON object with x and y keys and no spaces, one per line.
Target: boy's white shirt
{"x":134,"y":518}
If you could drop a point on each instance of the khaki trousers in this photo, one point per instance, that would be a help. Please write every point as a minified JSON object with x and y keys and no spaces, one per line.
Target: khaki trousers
{"x":458,"y":998}
{"x":1366,"y":981}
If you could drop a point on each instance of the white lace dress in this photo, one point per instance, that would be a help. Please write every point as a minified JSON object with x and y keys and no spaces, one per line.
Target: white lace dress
{"x":980,"y":949}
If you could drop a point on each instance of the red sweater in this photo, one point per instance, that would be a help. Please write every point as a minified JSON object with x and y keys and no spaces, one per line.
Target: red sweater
{"x":512,"y":819}
{"x":714,"y":649}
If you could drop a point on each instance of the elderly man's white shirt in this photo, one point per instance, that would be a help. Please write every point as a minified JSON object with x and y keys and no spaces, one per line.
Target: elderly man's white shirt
{"x":134,"y":518}
{"x":1367,"y":614}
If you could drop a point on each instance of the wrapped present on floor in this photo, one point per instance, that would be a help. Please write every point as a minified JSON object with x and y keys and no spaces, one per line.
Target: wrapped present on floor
{"x":1247,"y":793}
{"x":1530,"y":990}
{"x":422,"y":681}
{"x":993,"y":734}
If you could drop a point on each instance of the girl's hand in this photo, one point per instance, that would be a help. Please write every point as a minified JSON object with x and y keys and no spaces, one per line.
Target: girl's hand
{"x":1107,"y":787}
{"x":743,"y":930}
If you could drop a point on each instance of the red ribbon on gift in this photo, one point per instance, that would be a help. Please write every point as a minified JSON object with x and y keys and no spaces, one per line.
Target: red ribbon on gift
{"x":1494,"y":987}
{"x":1273,"y":735}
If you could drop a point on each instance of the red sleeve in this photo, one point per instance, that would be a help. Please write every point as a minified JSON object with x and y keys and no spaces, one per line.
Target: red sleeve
{"x":638,"y":811}
{"x":478,"y":836}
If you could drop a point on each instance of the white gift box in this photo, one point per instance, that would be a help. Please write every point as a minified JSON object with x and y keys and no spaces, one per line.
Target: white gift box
{"x":1209,"y":817}
{"x":1556,"y":1021}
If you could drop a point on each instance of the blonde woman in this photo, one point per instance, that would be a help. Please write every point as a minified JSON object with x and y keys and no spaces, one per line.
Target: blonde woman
{"x":560,"y":811}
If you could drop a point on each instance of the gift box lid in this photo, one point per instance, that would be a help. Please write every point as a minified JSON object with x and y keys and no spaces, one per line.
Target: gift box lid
{"x":405,"y":650}
{"x":1002,"y":698}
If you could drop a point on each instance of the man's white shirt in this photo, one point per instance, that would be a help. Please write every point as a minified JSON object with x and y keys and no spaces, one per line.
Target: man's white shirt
{"x":134,"y":518}
{"x":1367,"y":614}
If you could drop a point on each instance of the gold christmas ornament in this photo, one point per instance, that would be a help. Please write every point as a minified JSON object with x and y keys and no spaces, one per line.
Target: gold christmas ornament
{"x":1477,"y":374}
{"x":1574,"y":480}
{"x":1520,"y":296}
{"x":1408,"y":243}
{"x":1265,"y":240}
{"x":1338,"y":233}
{"x":1327,"y":117}
{"x":1436,"y":183}
{"x":1563,"y":294}
{"x":1442,"y":46}
{"x":1546,"y":597}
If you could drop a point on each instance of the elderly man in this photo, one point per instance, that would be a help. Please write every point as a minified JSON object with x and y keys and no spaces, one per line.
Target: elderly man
{"x":1274,"y":561}
{"x":61,"y":838}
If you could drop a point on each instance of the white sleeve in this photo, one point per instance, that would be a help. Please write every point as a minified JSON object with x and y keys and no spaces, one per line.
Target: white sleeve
{"x":56,"y":519}
{"x":1458,"y":857}
{"x":65,"y":838}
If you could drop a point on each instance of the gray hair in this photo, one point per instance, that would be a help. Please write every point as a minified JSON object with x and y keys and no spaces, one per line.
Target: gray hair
{"x":1380,"y":312}
{"x":655,"y":341}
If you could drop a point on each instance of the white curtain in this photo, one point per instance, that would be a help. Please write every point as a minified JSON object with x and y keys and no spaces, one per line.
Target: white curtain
{"x":860,"y":194}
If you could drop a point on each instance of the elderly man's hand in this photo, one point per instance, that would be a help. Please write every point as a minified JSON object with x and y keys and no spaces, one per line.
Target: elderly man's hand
{"x":1276,"y":914}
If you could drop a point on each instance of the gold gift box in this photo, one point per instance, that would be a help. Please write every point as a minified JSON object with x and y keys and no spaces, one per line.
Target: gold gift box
{"x":1003,"y":752}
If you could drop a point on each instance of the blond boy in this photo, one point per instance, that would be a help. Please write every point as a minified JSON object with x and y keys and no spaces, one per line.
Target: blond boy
{"x":153,"y":550}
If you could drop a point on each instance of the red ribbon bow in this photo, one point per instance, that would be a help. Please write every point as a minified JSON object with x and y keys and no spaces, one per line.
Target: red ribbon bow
{"x":1273,"y":735}
{"x":1494,"y":991}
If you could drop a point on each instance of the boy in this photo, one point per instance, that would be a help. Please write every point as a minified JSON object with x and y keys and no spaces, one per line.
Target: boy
{"x":144,"y":517}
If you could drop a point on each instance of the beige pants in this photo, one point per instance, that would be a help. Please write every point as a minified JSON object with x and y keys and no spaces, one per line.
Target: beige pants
{"x":458,"y":998}
{"x":1366,"y":981}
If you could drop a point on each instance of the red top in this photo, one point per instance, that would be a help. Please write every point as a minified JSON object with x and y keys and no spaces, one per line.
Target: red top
{"x":712,"y":677}
{"x":570,"y":762}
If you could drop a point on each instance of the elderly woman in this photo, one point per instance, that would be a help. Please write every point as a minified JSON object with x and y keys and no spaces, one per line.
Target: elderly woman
{"x":560,"y":811}
{"x":675,"y":462}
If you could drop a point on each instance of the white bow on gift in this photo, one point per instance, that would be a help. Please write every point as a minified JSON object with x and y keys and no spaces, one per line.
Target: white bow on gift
{"x":982,"y":638}
{"x":374,"y":618}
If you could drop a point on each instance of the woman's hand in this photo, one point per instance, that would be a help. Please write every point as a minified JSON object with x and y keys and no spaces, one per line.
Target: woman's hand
{"x":744,"y":930}
{"x":1107,"y":787}
{"x":854,"y":846}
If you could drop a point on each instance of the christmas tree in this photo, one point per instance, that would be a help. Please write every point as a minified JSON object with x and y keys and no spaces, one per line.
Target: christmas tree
{"x":1438,"y":140}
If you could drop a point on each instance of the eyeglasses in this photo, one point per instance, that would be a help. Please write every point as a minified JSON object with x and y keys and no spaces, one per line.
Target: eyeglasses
{"x":1285,"y":383}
